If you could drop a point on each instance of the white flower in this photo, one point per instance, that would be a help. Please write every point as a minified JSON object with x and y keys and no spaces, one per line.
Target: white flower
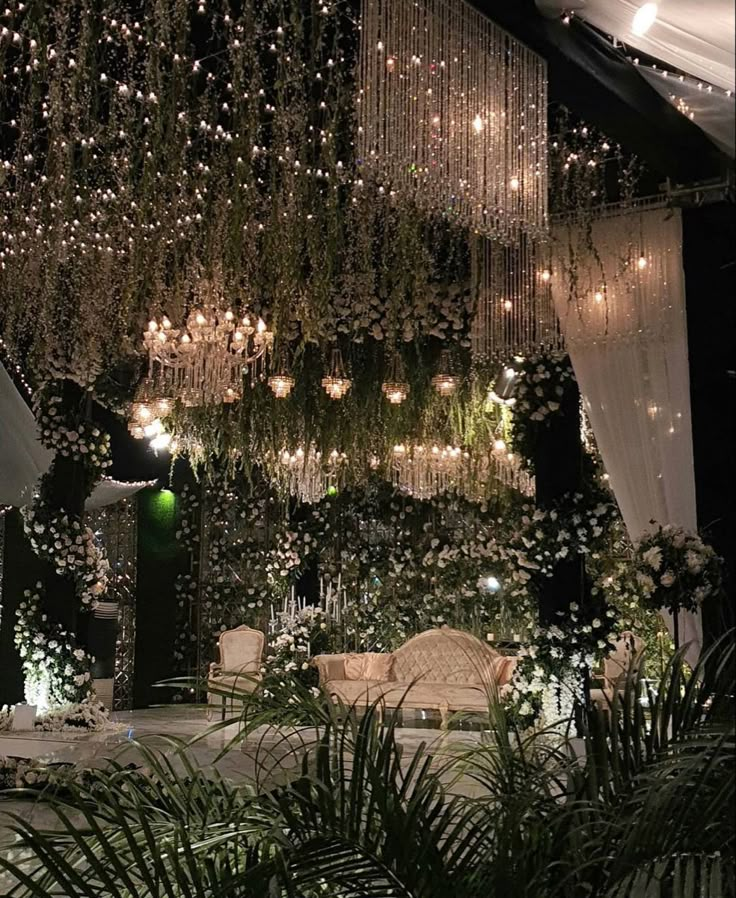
{"x":667,"y":579}
{"x":693,"y":561}
{"x":653,"y":557}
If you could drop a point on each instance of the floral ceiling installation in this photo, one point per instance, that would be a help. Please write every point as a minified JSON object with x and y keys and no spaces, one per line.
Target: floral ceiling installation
{"x":201,"y":146}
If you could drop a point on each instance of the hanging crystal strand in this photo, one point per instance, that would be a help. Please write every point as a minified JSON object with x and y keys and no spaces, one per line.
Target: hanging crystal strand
{"x":445,"y":114}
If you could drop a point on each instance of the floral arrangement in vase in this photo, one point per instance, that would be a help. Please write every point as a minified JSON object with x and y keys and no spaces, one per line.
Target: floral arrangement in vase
{"x":676,"y":570}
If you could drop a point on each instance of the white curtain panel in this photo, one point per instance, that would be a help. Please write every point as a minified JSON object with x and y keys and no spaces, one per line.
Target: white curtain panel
{"x":620,"y":294}
{"x":22,"y":457}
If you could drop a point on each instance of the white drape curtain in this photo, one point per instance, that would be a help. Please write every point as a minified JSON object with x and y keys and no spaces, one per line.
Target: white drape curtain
{"x":22,"y":457}
{"x":620,"y":294}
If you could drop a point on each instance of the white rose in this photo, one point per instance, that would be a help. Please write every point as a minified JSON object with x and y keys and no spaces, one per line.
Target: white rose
{"x":653,"y":557}
{"x":667,"y":579}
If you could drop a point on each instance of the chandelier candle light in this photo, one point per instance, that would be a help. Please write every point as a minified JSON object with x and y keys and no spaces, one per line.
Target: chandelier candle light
{"x":445,"y":381}
{"x":396,"y":389}
{"x":281,"y":385}
{"x":337,"y":383}
{"x":309,"y":475}
{"x":205,"y":362}
{"x":453,"y":110}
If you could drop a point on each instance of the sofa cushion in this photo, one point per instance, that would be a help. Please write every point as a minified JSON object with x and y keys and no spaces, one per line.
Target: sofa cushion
{"x":368,"y":666}
{"x":330,"y":667}
{"x":504,"y":667}
{"x":378,"y":666}
{"x":354,"y":666}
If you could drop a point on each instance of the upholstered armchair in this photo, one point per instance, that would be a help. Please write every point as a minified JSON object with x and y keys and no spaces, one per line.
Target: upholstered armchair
{"x":239,"y":667}
{"x":616,"y":668}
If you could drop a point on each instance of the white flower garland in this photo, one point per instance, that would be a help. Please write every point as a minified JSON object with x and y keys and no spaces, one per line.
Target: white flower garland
{"x":57,"y":672}
{"x":547,"y":537}
{"x":81,"y":442}
{"x":71,"y":548}
{"x":538,"y":390}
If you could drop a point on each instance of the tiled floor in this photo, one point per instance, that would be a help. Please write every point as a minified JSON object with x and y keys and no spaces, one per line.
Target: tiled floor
{"x":265,"y":753}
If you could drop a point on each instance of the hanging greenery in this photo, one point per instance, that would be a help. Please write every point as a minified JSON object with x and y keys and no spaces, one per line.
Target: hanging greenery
{"x":148,"y":154}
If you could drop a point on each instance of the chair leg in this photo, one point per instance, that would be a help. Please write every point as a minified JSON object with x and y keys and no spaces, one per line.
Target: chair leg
{"x":444,"y":716}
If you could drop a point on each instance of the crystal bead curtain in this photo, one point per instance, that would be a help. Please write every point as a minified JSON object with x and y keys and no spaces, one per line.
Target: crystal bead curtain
{"x":515,"y":312}
{"x":452,"y":109}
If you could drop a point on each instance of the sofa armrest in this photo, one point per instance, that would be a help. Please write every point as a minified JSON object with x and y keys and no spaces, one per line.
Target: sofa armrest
{"x":504,"y":668}
{"x":330,"y":667}
{"x":214,"y":670}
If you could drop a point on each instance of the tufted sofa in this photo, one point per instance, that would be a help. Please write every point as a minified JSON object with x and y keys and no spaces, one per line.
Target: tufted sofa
{"x":443,"y":669}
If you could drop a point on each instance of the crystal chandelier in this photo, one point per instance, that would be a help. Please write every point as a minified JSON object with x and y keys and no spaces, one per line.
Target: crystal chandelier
{"x":396,"y":389}
{"x":206,"y":361}
{"x":152,"y":402}
{"x":445,"y":381}
{"x":337,"y":383}
{"x":309,"y":475}
{"x":426,"y":471}
{"x":453,"y":110}
{"x":281,"y":385}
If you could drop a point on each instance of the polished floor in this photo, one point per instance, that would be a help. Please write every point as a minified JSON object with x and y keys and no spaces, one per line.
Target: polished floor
{"x":267,"y":753}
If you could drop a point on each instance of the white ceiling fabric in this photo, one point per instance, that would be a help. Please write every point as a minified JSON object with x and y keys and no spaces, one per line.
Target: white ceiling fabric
{"x":711,"y":110}
{"x":696,"y":36}
{"x":23,"y":460}
{"x":108,"y":491}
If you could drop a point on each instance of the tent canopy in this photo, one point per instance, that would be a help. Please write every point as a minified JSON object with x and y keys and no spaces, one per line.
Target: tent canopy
{"x":23,"y":460}
{"x":597,"y":80}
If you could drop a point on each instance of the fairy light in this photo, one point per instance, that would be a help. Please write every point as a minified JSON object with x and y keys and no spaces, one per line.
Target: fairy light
{"x":16,"y":368}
